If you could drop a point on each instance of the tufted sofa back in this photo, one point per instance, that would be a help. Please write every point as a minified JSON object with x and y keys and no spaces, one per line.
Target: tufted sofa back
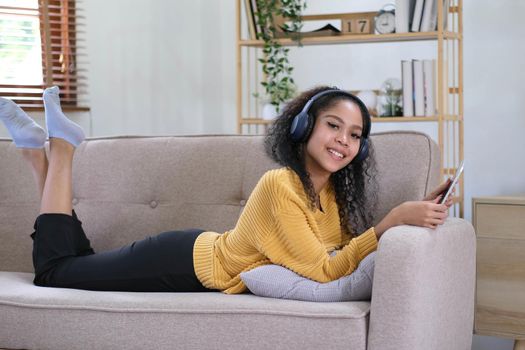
{"x":126,"y":188}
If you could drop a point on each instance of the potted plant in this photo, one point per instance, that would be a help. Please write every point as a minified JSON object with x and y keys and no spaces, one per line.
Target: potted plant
{"x":390,"y":97}
{"x":269,"y":109}
{"x":279,"y":85}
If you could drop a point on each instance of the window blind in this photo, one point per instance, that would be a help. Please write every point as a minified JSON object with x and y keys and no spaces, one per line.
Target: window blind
{"x":40,"y":46}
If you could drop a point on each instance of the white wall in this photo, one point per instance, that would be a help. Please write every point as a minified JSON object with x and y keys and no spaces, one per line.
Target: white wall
{"x":161,"y":67}
{"x":495,"y":111}
{"x":168,"y":67}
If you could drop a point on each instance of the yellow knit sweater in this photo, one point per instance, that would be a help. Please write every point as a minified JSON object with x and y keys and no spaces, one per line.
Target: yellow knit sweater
{"x":277,"y":226}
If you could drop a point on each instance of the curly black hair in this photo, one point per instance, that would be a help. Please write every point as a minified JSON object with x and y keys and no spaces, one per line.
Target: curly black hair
{"x":349,"y":184}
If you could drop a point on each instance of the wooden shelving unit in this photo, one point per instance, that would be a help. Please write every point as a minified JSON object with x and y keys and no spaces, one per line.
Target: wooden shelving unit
{"x":449,"y":103}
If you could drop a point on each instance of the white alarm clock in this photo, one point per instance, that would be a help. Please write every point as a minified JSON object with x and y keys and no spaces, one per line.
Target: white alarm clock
{"x":385,"y":20}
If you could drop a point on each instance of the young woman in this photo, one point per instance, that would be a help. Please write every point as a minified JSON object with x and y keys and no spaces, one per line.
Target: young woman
{"x":294,"y":217}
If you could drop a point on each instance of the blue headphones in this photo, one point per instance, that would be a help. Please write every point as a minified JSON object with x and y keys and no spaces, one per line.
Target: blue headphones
{"x":303,"y":123}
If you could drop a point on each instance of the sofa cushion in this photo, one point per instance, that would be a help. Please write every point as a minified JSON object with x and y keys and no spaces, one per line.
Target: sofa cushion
{"x":118,"y":320}
{"x":275,"y":281}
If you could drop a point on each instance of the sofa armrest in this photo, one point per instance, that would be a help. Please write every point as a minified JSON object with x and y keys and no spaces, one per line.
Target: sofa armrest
{"x":423,"y":289}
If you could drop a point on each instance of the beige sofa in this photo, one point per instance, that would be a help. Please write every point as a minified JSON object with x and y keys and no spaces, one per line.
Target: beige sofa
{"x":129,"y":187}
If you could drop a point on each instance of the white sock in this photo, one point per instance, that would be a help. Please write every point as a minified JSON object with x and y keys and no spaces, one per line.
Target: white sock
{"x":24,"y":131}
{"x":58,"y":125}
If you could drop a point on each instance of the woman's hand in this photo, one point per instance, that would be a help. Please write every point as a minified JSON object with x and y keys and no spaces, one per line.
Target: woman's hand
{"x":420,"y":213}
{"x":439,"y":192}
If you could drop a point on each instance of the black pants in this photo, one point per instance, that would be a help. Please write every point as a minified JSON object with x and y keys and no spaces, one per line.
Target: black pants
{"x":63,"y":257}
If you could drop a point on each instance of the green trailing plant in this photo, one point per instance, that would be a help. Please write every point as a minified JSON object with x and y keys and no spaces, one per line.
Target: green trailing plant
{"x":279,"y":85}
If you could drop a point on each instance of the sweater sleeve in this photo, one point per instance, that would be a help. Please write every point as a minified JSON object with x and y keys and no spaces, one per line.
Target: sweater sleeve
{"x":295,"y":245}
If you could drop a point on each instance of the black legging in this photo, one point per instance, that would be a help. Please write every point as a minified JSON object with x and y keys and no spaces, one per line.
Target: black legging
{"x":63,"y":257}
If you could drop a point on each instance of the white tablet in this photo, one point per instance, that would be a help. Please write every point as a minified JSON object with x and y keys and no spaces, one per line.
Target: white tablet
{"x":458,"y":173}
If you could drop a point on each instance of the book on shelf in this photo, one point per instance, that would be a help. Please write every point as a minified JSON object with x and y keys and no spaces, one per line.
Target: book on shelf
{"x":411,"y":13}
{"x":429,"y":18}
{"x":429,"y":85}
{"x":407,"y":88}
{"x":250,"y":18}
{"x":419,"y":87}
{"x":418,"y":13}
{"x":424,"y":17}
{"x":419,"y":92}
{"x":404,"y":15}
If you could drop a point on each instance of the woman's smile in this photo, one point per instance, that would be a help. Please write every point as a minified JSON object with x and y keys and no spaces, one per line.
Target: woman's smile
{"x":336,"y":155}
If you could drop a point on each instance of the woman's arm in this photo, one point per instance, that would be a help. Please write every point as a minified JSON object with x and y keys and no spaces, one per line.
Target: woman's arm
{"x":426,"y":213}
{"x":295,"y":244}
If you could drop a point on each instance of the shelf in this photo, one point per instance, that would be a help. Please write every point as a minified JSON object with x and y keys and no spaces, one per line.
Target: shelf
{"x":403,"y":119}
{"x":259,"y":121}
{"x":414,"y":119}
{"x":354,"y":38}
{"x":255,"y":121}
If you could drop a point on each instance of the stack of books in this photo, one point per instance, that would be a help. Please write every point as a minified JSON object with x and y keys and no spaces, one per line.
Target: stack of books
{"x":419,"y":88}
{"x":419,"y":15}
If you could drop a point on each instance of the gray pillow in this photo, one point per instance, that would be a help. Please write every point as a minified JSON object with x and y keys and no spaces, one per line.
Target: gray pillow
{"x":275,"y":281}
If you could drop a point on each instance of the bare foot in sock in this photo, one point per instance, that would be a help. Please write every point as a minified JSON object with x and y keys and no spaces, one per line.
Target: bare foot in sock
{"x":24,"y":131}
{"x":58,"y":125}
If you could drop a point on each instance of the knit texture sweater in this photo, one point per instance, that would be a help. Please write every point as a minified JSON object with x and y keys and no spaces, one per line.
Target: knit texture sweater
{"x":278,"y":226}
